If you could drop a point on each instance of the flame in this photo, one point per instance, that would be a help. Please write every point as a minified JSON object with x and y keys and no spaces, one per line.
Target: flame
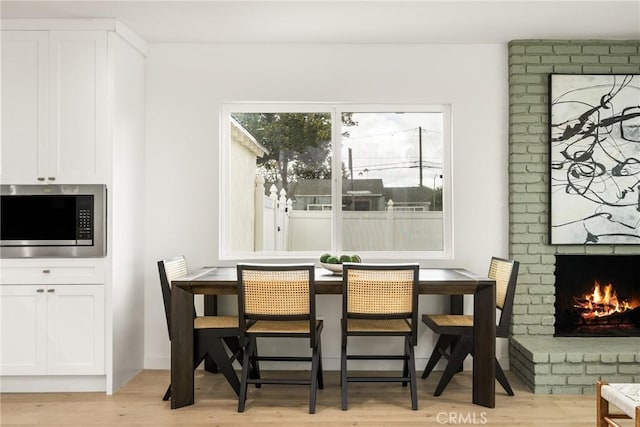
{"x":602,"y":301}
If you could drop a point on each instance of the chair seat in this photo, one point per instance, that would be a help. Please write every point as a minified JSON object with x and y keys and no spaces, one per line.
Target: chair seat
{"x":450,"y":320}
{"x":218,"y":322}
{"x":378,"y":325}
{"x":624,"y":396}
{"x":282,"y":327}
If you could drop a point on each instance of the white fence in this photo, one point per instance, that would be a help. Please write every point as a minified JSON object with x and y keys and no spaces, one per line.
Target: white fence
{"x":279,"y":228}
{"x":272,"y":220}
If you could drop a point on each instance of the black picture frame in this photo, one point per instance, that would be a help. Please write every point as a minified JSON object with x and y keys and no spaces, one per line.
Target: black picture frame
{"x":594,"y":154}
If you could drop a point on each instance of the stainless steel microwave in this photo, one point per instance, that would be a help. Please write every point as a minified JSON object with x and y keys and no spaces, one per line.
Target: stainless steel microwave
{"x":53,"y":221}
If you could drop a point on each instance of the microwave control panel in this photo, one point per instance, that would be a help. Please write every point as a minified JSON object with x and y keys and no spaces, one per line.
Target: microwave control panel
{"x":85,"y":217}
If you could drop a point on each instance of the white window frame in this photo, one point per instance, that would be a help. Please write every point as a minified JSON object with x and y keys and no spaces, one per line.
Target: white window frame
{"x":336,"y":110}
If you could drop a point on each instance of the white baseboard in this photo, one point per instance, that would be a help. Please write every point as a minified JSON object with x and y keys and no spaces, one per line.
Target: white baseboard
{"x":52,"y":383}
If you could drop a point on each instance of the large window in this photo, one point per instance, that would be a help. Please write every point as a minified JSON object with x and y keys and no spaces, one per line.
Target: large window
{"x":298,"y":180}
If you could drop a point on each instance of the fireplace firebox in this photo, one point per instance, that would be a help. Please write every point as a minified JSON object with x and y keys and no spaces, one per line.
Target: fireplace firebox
{"x":597,"y":295}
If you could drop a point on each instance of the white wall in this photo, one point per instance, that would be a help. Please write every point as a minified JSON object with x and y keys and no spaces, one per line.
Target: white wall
{"x":125,"y":327}
{"x":186,"y":83}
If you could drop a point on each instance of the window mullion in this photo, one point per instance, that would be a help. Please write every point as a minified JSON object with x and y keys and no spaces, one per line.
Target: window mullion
{"x":336,"y":180}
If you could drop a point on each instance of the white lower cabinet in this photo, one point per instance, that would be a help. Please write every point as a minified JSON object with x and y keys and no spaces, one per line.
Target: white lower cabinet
{"x":52,"y":329}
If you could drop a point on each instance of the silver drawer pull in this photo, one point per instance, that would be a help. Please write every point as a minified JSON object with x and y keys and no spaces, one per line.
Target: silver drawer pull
{"x":46,"y":271}
{"x":40,"y":290}
{"x":51,"y":290}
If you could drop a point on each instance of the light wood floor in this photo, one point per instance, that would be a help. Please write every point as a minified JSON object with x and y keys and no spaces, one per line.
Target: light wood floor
{"x":139,"y":403}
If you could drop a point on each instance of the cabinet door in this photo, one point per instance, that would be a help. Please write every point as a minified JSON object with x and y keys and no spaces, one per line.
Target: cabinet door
{"x":75,"y":329}
{"x":78,"y":107}
{"x":24,"y":106}
{"x":23,"y":318}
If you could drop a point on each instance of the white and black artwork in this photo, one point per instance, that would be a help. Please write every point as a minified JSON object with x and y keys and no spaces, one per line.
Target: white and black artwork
{"x":595,"y":159}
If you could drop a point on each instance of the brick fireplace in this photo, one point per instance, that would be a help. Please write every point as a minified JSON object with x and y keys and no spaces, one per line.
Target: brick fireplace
{"x":546,"y":363}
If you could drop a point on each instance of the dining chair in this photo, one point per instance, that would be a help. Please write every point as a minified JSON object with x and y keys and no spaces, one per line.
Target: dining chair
{"x":456,"y":331}
{"x":278,"y":301}
{"x":380,"y":300}
{"x":209,"y":331}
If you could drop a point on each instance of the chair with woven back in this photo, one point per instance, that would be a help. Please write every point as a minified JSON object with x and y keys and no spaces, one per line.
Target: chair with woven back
{"x":380,"y":301}
{"x":456,"y":331}
{"x":209,"y":331}
{"x":278,"y":301}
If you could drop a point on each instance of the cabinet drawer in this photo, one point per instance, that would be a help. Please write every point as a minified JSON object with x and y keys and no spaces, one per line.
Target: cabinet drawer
{"x":52,"y":271}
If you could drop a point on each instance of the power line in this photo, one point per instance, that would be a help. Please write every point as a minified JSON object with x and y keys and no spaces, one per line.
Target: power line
{"x":351,"y":138}
{"x":382,"y":167}
{"x":415,"y":129}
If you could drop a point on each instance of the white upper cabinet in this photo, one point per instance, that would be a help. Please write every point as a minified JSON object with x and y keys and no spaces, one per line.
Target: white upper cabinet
{"x":54,"y":107}
{"x":24,"y":105}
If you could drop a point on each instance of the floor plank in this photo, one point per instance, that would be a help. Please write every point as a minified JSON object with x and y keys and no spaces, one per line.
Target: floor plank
{"x":139,"y":403}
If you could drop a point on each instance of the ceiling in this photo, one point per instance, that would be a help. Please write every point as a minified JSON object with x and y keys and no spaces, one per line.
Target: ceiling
{"x":359,"y":21}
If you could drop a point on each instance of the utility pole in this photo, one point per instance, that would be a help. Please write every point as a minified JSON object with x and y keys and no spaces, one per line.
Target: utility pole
{"x":420,"y":152}
{"x":351,"y":176}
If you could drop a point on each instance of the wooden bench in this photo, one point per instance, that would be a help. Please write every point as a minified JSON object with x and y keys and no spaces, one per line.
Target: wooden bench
{"x":625,"y":397}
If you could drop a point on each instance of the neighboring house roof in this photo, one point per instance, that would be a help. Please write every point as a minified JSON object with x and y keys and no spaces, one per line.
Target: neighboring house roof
{"x":242,"y":136}
{"x":408,"y":194}
{"x":322,"y":187}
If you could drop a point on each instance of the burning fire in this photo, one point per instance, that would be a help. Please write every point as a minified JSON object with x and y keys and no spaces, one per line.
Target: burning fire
{"x":602,"y":301}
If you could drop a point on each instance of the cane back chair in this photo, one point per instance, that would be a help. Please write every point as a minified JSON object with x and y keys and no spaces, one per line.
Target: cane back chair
{"x":209,"y":331}
{"x":380,"y":300}
{"x":456,"y":331}
{"x":278,"y":301}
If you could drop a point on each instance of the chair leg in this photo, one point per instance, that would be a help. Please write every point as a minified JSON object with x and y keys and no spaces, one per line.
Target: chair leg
{"x":242,"y":396}
{"x":602,"y":406}
{"x":320,"y":375}
{"x":167,"y":394}
{"x":255,"y":366}
{"x":462,"y":349}
{"x":210,"y":365}
{"x":343,"y":371}
{"x":455,"y":341}
{"x":314,"y":379}
{"x":405,"y":366}
{"x":218,"y":352}
{"x":502,"y":379}
{"x":234,"y":346}
{"x":412,"y":373}
{"x":233,"y":343}
{"x":441,"y":345}
{"x":199,"y":354}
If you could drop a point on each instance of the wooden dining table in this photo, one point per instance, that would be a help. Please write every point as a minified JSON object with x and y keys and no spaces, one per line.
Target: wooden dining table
{"x":212,"y":281}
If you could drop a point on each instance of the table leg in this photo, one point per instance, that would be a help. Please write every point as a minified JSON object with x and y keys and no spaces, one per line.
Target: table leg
{"x":484,"y":345}
{"x":456,"y":304}
{"x":210,"y":309}
{"x":181,"y":348}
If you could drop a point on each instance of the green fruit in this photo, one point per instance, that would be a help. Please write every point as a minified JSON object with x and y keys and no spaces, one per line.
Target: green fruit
{"x":324,"y":257}
{"x":356,"y":258}
{"x":345,"y":258}
{"x":333,"y":260}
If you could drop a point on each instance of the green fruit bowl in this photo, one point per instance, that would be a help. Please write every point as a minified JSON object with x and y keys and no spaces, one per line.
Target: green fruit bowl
{"x":334,"y":268}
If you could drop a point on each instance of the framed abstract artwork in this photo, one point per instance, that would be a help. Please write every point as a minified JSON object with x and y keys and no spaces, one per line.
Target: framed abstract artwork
{"x":594,"y":134}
